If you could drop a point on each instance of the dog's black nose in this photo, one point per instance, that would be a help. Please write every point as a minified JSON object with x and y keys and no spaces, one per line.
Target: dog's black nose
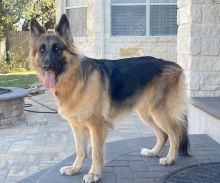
{"x":46,"y":66}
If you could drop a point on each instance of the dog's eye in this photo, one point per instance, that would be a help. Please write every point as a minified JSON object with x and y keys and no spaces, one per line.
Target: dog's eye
{"x":56,"y":49}
{"x":42,"y":49}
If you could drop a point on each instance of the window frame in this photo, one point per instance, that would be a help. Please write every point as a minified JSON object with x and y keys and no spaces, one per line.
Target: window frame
{"x":74,"y":7}
{"x":147,"y":4}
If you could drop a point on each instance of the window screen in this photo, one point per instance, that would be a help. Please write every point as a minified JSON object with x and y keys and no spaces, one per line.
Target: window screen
{"x":163,"y":1}
{"x":128,"y":17}
{"x":129,"y":20}
{"x":78,"y":21}
{"x":163,"y":20}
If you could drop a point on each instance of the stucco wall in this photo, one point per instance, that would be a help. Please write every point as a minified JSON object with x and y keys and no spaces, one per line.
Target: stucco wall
{"x":115,"y":46}
{"x":198,"y":45}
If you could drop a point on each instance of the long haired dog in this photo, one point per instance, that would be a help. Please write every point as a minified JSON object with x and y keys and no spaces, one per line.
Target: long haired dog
{"x":92,"y":93}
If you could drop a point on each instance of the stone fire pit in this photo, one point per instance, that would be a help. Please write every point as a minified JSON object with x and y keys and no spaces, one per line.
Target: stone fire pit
{"x":11,"y":105}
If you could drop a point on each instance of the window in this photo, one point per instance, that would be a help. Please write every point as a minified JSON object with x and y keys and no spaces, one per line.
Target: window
{"x":143,"y":17}
{"x":76,"y":11}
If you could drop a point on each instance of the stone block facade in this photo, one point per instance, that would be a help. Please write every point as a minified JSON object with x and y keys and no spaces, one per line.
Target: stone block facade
{"x":198,"y":45}
{"x":160,"y":47}
{"x":101,"y":44}
{"x":11,"y":112}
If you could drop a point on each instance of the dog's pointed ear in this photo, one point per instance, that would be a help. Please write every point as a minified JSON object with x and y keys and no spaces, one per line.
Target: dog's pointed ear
{"x":63,"y":29}
{"x":36,"y":29}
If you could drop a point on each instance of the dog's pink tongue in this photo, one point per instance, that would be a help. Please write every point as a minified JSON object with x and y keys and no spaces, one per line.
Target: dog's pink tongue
{"x":49,"y":79}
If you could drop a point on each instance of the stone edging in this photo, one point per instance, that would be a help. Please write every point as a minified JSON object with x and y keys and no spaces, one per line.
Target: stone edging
{"x":16,"y":93}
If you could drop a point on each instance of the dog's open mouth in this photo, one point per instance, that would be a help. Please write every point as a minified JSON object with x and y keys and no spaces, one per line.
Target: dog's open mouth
{"x":49,"y":79}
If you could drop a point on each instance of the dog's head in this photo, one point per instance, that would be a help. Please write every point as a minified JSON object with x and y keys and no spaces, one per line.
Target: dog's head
{"x":49,"y":51}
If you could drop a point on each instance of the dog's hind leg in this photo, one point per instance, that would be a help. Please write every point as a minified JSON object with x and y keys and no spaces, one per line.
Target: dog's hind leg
{"x":98,"y":133}
{"x":174,"y":129}
{"x":80,"y":137}
{"x":169,"y":111}
{"x":161,"y":136}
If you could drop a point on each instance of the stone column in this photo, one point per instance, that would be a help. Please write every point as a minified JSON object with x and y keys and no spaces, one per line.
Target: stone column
{"x":198,"y":45}
{"x":96,"y":30}
{"x":59,"y":9}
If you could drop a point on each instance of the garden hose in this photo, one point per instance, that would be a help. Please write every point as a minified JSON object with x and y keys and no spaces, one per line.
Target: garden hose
{"x":53,"y":111}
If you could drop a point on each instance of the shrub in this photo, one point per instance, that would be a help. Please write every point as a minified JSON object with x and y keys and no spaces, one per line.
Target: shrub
{"x":17,"y":62}
{"x":4,"y":67}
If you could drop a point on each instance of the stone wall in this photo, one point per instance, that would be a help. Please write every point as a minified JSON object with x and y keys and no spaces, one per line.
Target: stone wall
{"x":115,"y":46}
{"x":198,"y":45}
{"x":122,"y":47}
{"x":11,"y":112}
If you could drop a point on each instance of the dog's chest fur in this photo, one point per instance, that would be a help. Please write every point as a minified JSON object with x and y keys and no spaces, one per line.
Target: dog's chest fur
{"x":81,"y":102}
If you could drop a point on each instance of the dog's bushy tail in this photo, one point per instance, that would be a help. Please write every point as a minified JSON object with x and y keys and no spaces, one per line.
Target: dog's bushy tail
{"x":184,"y":144}
{"x":181,"y":111}
{"x":176,"y":107}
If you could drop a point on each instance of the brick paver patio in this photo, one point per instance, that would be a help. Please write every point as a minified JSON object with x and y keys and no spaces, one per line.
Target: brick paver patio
{"x":28,"y":151}
{"x":123,"y":164}
{"x":47,"y":140}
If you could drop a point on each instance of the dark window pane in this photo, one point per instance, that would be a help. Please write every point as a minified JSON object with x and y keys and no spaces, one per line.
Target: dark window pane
{"x":78,"y":21}
{"x":163,"y":20}
{"x":129,"y":20}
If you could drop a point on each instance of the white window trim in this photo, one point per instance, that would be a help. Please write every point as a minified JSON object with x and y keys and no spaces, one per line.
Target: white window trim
{"x":73,"y":7}
{"x":128,"y":4}
{"x":147,"y":4}
{"x":141,"y":4}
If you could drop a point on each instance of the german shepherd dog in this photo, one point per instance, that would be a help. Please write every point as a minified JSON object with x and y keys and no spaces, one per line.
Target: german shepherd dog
{"x":91,"y":94}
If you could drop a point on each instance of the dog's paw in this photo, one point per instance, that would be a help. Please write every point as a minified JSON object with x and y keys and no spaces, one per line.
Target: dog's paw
{"x":89,"y":178}
{"x":166,"y":161}
{"x":148,"y":152}
{"x":69,"y":170}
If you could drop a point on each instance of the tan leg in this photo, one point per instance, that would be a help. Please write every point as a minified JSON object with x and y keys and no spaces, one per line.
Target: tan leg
{"x":169,"y":125}
{"x":173,"y":150}
{"x":98,"y":134}
{"x":161,"y":136}
{"x":80,"y":137}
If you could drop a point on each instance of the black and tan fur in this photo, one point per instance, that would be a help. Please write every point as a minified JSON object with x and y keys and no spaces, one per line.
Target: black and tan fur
{"x":92,"y":94}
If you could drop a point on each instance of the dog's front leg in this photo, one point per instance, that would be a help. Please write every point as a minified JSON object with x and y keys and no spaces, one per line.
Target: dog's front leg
{"x":80,"y":137}
{"x":98,"y":134}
